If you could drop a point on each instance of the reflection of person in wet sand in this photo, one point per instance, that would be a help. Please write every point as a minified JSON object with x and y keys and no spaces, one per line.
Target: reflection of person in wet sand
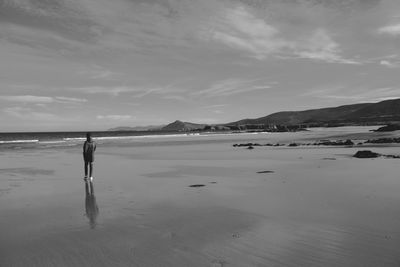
{"x":92,"y":210}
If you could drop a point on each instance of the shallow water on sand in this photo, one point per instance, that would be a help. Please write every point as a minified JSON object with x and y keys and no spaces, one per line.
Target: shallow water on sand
{"x":141,"y":211}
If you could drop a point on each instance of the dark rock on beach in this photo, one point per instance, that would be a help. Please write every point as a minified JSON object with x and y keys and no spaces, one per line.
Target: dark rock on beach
{"x":197,"y":185}
{"x":246,"y":144}
{"x":348,"y":142}
{"x":362,"y":154}
{"x":370,"y":154}
{"x":392,"y":156}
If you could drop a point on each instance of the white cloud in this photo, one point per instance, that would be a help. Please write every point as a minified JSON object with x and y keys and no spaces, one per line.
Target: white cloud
{"x":29,"y":114}
{"x":99,"y":73}
{"x":231,"y":87}
{"x":134,"y":91}
{"x":320,"y":46}
{"x":390,"y":29}
{"x":41,"y":99}
{"x":63,"y":99}
{"x":389,"y":64}
{"x":355,"y":95}
{"x":116,"y":90}
{"x":114,"y":117}
{"x":27,"y":99}
{"x":175,"y":97}
{"x":241,"y":29}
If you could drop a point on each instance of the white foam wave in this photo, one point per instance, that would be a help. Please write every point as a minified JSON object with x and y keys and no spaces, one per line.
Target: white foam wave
{"x":52,"y":142}
{"x":19,"y":141}
{"x":74,"y":139}
{"x":131,"y":137}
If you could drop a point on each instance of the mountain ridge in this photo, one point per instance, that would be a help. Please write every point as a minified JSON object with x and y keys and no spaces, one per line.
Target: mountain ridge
{"x":386,"y":111}
{"x":179,"y":126}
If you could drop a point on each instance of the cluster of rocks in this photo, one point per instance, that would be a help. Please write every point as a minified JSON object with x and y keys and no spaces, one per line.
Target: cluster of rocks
{"x":252,"y":145}
{"x":256,"y":144}
{"x":383,"y":141}
{"x":348,"y":142}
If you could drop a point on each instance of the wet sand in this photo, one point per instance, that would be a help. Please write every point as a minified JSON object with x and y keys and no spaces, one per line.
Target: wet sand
{"x":318,"y":206}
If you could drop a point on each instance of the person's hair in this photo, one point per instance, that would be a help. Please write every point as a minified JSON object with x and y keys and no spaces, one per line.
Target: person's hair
{"x":88,"y":136}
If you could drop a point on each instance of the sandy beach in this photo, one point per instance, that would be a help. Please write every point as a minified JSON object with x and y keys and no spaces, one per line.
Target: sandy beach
{"x":270,"y":206}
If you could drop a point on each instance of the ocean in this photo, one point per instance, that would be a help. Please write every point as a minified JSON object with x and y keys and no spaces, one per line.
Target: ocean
{"x":43,"y":140}
{"x":21,"y":140}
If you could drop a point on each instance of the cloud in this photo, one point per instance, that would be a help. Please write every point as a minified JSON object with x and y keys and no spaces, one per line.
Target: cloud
{"x":217,"y":108}
{"x":68,"y":19}
{"x":175,"y":97}
{"x":27,"y":99}
{"x":92,"y":28}
{"x":63,"y":99}
{"x":115,"y":90}
{"x":41,"y":99}
{"x":238,"y":28}
{"x":134,"y":91}
{"x":100,"y":73}
{"x":114,"y":117}
{"x":241,"y":29}
{"x":29,"y":114}
{"x":320,"y":46}
{"x":232,"y":87}
{"x":389,"y":64}
{"x":393,"y":30}
{"x":355,"y":95}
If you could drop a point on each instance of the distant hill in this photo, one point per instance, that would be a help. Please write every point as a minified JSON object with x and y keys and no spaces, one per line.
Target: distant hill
{"x":137,"y":128}
{"x":388,"y":110}
{"x":298,"y":117}
{"x":179,"y":126}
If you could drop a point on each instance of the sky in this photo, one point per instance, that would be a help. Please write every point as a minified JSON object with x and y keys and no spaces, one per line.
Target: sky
{"x":78,"y":65}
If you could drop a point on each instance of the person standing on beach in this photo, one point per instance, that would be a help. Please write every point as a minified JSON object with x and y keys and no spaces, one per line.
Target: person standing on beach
{"x":89,"y":147}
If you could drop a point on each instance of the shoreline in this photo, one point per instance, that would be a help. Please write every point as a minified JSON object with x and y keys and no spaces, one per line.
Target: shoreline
{"x":361,"y":137}
{"x":59,"y":139}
